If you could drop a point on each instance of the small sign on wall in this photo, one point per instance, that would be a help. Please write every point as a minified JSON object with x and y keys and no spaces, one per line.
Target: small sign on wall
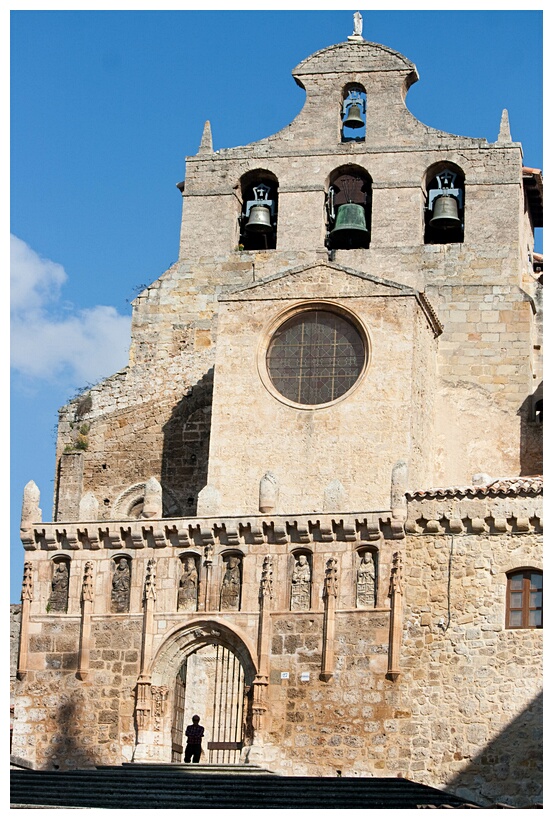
{"x":304,"y":676}
{"x":284,"y":675}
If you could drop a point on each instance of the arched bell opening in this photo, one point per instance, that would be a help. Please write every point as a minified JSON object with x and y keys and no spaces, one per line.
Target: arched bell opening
{"x":259,"y":211}
{"x":353,"y":113}
{"x":205,"y":668}
{"x":349,"y":206}
{"x":444,"y":206}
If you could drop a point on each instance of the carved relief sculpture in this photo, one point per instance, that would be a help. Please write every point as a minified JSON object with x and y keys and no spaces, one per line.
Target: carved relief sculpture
{"x":366,"y":582}
{"x":230,"y":589}
{"x":188,"y":586}
{"x":301,"y":585}
{"x":60,"y":588}
{"x":121,"y":586}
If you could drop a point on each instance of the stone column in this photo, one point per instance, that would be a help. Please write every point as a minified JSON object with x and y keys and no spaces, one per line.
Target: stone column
{"x":145,"y":740}
{"x":204,"y":592}
{"x":87,"y":598}
{"x":261,"y":680}
{"x":396,"y":617}
{"x":26,"y":600}
{"x":330,"y":592}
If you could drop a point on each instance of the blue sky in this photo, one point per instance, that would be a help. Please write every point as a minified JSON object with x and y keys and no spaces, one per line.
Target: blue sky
{"x":106,"y":105}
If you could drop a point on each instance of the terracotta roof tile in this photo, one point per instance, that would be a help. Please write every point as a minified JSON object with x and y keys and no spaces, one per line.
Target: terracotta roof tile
{"x":531,"y":485}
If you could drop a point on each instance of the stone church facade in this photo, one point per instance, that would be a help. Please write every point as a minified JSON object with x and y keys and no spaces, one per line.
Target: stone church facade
{"x":309,"y":509}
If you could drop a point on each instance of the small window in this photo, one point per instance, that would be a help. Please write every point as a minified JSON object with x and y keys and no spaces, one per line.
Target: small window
{"x":524,"y":599}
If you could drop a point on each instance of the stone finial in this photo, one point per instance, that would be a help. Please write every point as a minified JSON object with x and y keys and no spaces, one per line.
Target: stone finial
{"x":87,"y":591}
{"x":331,"y":578}
{"x":88,"y":507}
{"x":30,"y":511}
{"x":206,"y":145}
{"x":335,"y":496}
{"x":398,"y":500}
{"x":268,"y":493}
{"x":357,"y":36}
{"x":27,"y":586}
{"x":504,"y":128}
{"x":153,"y":504}
{"x":150,"y":581}
{"x":209,"y":501}
{"x":266,"y":588}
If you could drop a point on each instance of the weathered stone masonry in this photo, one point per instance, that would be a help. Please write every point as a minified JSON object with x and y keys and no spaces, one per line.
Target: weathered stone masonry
{"x":210,"y":526}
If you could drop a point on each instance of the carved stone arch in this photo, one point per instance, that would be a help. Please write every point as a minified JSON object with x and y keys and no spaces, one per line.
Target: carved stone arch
{"x":130,"y":502}
{"x":195,"y":663}
{"x":185,"y":640}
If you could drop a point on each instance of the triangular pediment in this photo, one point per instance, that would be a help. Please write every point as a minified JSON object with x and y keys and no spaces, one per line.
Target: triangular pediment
{"x":326,"y":280}
{"x":315,"y":281}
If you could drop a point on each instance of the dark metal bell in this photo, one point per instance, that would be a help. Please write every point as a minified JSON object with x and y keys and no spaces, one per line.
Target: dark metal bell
{"x":445,"y":213}
{"x":259,"y":220}
{"x":350,"y":228}
{"x":353,"y":117}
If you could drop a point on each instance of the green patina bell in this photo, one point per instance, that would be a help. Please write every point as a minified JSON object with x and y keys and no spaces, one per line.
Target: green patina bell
{"x":350,"y":229}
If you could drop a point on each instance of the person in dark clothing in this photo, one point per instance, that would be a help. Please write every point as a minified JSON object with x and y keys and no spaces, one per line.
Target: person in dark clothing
{"x":194,"y":736}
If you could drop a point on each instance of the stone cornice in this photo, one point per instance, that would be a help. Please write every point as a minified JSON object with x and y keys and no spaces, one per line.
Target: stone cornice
{"x":229,"y":532}
{"x":445,"y":517}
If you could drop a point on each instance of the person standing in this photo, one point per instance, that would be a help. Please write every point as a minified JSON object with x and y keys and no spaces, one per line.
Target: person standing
{"x":194,"y":736}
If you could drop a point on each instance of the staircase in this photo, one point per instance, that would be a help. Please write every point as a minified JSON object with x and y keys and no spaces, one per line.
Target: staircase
{"x":150,"y":786}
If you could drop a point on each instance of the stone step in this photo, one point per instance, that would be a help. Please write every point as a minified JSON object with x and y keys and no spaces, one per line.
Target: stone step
{"x":164,"y":786}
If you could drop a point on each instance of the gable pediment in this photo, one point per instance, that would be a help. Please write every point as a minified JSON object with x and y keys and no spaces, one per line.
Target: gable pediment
{"x":326,"y":280}
{"x":322,"y":279}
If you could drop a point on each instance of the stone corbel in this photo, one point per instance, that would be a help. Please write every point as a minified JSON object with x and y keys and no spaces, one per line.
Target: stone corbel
{"x":154,"y":538}
{"x":90,"y":540}
{"x":28,"y":539}
{"x":179,"y":538}
{"x":110,"y":541}
{"x":132,"y":537}
{"x":298,"y":532}
{"x":345,"y":532}
{"x":46,"y":541}
{"x":67,"y":541}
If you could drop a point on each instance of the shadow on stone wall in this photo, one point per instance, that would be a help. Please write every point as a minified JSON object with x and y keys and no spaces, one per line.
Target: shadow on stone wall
{"x":531,"y":433}
{"x":185,"y":454}
{"x":72,"y":747}
{"x":510,"y":768}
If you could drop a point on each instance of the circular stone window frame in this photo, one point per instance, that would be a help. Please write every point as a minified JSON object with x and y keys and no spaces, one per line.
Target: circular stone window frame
{"x":306,"y":307}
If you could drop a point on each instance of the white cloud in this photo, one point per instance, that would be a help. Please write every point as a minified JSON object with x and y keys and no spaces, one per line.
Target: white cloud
{"x":82,"y":345}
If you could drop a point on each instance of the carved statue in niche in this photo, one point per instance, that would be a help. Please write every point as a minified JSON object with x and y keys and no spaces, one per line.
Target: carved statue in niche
{"x":60,"y":588}
{"x":121,"y":586}
{"x":366,"y":581}
{"x":188,"y":586}
{"x":301,"y":585}
{"x":230,"y":589}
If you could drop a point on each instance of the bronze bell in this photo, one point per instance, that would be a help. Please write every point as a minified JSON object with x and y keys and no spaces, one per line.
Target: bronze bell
{"x":445,"y":212}
{"x":350,"y":228}
{"x":259,"y":220}
{"x":353,"y":117}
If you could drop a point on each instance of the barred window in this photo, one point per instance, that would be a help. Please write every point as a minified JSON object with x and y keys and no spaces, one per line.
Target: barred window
{"x":315,"y":357}
{"x":524,"y":599}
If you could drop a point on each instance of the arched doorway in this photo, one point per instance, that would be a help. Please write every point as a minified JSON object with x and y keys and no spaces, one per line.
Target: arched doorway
{"x":211,"y":683}
{"x":205,"y":668}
